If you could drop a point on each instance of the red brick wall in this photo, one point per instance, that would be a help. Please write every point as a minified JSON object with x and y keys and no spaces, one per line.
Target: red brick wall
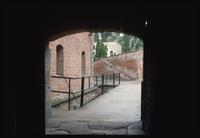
{"x":130,"y":63}
{"x":73,"y":46}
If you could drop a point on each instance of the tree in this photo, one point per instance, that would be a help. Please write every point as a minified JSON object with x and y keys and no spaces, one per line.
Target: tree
{"x":128,"y":42}
{"x":105,"y":36}
{"x":138,"y":44}
{"x":101,"y":49}
{"x":110,"y":36}
{"x":96,"y":37}
{"x":124,"y":41}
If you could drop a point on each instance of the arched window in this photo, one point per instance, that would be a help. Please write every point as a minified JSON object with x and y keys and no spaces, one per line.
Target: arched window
{"x":83,"y":63}
{"x":59,"y":60}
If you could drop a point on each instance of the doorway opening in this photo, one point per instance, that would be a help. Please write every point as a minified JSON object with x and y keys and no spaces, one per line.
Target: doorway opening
{"x":95,"y":84}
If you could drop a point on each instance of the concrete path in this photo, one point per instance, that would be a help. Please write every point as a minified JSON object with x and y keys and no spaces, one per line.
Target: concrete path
{"x":116,"y":112}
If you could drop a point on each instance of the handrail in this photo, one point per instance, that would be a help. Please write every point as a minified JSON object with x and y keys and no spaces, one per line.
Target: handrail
{"x":77,"y":77}
{"x":103,"y":84}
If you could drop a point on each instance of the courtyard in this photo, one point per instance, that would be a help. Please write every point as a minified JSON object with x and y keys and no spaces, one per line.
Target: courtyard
{"x":116,"y":112}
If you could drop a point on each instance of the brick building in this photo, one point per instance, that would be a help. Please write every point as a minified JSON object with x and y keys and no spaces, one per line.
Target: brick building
{"x":114,"y":48}
{"x":71,"y":56}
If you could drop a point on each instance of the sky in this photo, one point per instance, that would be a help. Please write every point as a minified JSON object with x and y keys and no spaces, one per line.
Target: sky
{"x":121,"y":34}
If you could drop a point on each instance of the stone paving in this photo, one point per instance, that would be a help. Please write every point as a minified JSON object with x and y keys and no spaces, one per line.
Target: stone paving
{"x":95,"y":128}
{"x":117,"y":112}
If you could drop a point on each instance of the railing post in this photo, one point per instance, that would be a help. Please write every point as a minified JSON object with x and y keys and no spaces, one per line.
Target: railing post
{"x":119,"y":78}
{"x":96,"y":81}
{"x":113,"y":80}
{"x":106,"y":79}
{"x":109,"y":78}
{"x":82,"y":90}
{"x":102,"y":83}
{"x":69,"y":94}
{"x":89,"y":82}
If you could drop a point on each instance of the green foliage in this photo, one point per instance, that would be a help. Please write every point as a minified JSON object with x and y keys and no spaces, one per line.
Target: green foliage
{"x":124,"y":41}
{"x":101,"y":49}
{"x":107,"y":36}
{"x":96,"y":37}
{"x":128,"y":42}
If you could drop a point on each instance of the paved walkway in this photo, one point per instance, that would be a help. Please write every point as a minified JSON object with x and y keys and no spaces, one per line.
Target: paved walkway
{"x":116,"y":112}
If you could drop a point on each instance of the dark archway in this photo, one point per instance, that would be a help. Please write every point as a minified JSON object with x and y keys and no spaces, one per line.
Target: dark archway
{"x":166,"y":113}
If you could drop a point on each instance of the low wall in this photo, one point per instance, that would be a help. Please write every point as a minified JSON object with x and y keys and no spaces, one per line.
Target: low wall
{"x":130,"y":65}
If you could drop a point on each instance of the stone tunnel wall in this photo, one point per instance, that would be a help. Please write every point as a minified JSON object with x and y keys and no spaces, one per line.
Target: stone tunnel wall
{"x":130,"y":65}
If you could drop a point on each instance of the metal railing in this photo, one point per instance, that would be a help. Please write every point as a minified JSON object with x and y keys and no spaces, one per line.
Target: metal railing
{"x":103,"y":82}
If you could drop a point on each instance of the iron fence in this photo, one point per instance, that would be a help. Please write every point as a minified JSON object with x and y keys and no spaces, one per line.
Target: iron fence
{"x":79,"y":87}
